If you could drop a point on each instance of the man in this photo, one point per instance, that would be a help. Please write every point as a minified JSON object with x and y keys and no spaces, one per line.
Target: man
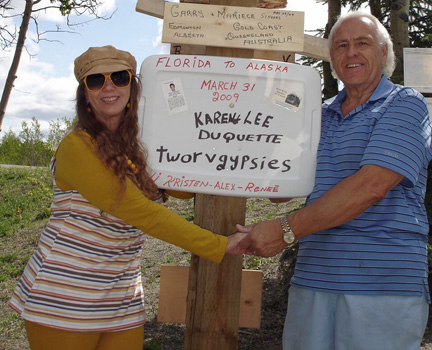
{"x":361,"y":275}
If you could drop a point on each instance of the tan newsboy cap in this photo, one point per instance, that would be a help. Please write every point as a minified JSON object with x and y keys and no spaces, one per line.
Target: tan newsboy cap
{"x":105,"y":59}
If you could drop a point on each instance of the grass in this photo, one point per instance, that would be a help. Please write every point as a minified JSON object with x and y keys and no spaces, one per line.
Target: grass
{"x":25,"y":199}
{"x":26,"y":196}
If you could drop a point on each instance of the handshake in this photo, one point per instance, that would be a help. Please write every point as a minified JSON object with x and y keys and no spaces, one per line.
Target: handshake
{"x":262,"y":239}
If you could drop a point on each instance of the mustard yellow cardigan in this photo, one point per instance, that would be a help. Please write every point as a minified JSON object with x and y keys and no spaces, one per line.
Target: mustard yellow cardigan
{"x":79,"y":168}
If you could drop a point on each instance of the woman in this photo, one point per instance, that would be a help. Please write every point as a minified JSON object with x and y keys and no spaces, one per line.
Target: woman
{"x":82,"y":287}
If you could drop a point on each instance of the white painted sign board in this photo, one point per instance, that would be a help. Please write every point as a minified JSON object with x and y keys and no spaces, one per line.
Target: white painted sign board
{"x":418,"y":68}
{"x":418,"y":71}
{"x":230,"y":126}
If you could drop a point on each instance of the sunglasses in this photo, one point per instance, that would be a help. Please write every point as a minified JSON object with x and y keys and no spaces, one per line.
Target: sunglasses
{"x":95,"y":82}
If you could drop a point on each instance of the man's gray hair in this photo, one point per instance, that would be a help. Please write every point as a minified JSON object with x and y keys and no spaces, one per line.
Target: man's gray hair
{"x":382,"y":35}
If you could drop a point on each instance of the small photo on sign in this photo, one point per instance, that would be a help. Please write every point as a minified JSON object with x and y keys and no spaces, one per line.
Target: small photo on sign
{"x":290,"y":100}
{"x":174,"y":96}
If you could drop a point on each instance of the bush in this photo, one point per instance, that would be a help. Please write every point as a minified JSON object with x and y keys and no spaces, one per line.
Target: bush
{"x":10,"y":148}
{"x":30,"y":146}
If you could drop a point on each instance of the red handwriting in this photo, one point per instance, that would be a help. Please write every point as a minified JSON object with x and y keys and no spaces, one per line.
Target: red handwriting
{"x":182,"y":62}
{"x":218,"y":85}
{"x":225,"y":97}
{"x":177,"y":182}
{"x":184,"y":183}
{"x":267,"y":67}
{"x":224,"y":186}
{"x":251,"y":187}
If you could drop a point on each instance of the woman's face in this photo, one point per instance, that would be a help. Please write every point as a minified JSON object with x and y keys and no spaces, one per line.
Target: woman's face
{"x":108,"y":103}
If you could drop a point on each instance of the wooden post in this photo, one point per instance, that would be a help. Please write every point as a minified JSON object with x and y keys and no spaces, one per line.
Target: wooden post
{"x":213,"y":303}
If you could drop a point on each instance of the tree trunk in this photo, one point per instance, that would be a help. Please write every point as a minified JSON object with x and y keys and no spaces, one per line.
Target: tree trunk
{"x":16,"y":59}
{"x":330,"y":83}
{"x":399,"y":31}
{"x":376,"y":9}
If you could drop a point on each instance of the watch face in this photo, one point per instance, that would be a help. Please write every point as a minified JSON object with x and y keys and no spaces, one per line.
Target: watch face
{"x":289,"y":237}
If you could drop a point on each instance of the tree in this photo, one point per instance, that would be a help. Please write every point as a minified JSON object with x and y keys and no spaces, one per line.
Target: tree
{"x":420,"y":24}
{"x":34,"y":151}
{"x":57,"y":129}
{"x":31,"y":147}
{"x":399,"y":15}
{"x":8,"y":38}
{"x":330,"y":83}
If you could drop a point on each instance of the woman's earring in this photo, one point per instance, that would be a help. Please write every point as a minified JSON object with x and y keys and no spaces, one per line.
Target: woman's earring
{"x":88,"y":108}
{"x":128,"y":105}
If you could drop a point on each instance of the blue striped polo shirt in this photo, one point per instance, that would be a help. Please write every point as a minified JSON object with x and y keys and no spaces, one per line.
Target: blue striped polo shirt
{"x":382,"y":251}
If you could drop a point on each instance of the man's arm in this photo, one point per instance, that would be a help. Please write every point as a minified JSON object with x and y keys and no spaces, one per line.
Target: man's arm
{"x":341,"y":204}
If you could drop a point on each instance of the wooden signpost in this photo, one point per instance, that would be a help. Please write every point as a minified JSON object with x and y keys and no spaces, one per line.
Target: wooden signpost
{"x":313,"y":46}
{"x":230,"y":26}
{"x":214,"y":291}
{"x":213,"y":301}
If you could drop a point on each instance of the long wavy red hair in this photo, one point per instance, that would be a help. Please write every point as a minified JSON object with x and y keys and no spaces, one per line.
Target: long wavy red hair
{"x":112,"y":147}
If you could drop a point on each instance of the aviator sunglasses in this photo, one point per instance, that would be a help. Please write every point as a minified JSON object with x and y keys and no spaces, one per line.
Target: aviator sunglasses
{"x":95,"y":82}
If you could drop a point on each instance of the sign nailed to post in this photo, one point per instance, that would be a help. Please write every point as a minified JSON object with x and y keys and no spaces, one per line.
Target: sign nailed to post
{"x":230,"y":126}
{"x":229,"y":26}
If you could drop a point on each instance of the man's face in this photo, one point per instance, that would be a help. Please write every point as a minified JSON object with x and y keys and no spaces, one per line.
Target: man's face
{"x":356,"y":55}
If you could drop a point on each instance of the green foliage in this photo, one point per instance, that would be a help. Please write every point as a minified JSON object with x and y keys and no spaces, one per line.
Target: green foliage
{"x":66,"y":7}
{"x":34,"y":150}
{"x":252,"y":262}
{"x":26,"y":198}
{"x":10,"y":147}
{"x":57,"y":129}
{"x":26,"y":195}
{"x":152,"y":345}
{"x":30,"y":146}
{"x":420,"y":23}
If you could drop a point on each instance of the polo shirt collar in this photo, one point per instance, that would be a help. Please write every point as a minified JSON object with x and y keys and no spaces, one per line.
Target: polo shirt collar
{"x":382,"y":90}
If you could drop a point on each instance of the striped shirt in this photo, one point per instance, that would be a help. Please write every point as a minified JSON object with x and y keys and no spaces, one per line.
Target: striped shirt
{"x":85,"y":274}
{"x":382,"y":251}
{"x":86,"y":268}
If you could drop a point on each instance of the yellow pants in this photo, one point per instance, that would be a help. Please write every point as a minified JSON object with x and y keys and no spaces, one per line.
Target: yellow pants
{"x":47,"y":338}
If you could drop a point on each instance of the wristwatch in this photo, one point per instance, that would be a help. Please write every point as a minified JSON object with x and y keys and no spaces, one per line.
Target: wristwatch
{"x":288,"y":235}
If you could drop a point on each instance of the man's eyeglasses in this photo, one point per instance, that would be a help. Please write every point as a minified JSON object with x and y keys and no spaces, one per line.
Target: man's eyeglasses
{"x":95,"y":82}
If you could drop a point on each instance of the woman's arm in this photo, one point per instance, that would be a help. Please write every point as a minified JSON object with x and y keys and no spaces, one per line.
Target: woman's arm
{"x":79,"y":168}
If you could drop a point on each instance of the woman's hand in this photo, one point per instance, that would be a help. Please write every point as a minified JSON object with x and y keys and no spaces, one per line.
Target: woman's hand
{"x":279,"y":200}
{"x":233,"y":246}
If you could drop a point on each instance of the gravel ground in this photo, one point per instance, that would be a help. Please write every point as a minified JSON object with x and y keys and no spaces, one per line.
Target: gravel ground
{"x":274,"y":297}
{"x":162,"y":336}
{"x":171,"y":336}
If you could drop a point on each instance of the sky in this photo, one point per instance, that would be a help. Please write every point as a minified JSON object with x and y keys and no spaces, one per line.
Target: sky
{"x":45,"y":85}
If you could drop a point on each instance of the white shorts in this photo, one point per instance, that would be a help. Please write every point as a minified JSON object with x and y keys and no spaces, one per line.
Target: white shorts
{"x":330,"y":321}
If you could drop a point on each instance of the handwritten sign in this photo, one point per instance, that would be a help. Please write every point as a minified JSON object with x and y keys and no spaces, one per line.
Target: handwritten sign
{"x":230,"y":126}
{"x":230,"y":26}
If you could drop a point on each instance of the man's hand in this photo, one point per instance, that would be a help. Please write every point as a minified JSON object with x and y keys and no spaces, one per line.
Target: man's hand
{"x":263,"y":239}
